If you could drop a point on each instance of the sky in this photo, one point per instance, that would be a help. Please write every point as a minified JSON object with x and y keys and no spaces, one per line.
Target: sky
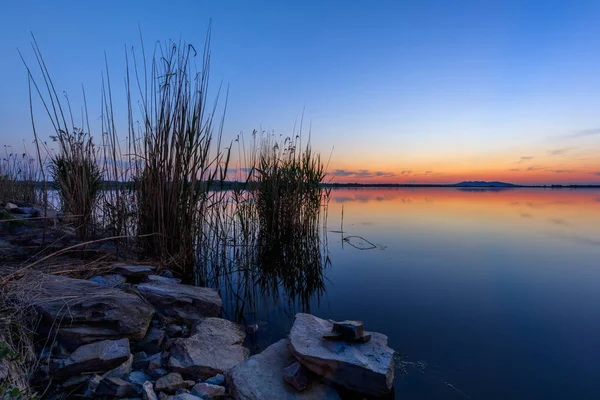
{"x":393,"y":91}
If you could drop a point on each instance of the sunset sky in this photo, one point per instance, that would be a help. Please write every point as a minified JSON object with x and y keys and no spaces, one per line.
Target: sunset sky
{"x":401,"y":91}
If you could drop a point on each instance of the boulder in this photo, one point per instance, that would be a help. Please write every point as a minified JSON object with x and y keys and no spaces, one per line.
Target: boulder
{"x":158,"y":278}
{"x":135,"y":271}
{"x":111,"y":280}
{"x":182,"y":302}
{"x":115,"y":387}
{"x":214,"y":347}
{"x":366,"y":368}
{"x":295,"y":376}
{"x":208,"y":391}
{"x":86,"y":312}
{"x":170,"y":383}
{"x":261,"y":377}
{"x":96,"y":357}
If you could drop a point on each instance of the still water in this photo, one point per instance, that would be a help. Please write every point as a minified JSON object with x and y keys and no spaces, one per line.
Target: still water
{"x":488,"y":294}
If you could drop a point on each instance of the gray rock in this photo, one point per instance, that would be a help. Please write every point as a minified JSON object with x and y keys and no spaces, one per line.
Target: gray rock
{"x":111,"y":280}
{"x":170,"y":383}
{"x":214,"y":348}
{"x":121,"y":370}
{"x":76,"y":380}
{"x":366,"y":368}
{"x":92,"y":386}
{"x":10,"y":206}
{"x":295,"y":376}
{"x":184,"y":396}
{"x":208,"y":391}
{"x":158,"y":278}
{"x":148,"y":391}
{"x":158,"y":373}
{"x":261,"y":377}
{"x":96,"y":357}
{"x":116,"y":387}
{"x":86,"y":312}
{"x":182,"y":302}
{"x":140,"y":361}
{"x":137,"y":379}
{"x":216,"y":380}
{"x":155,"y":361}
{"x":175,"y":331}
{"x":135,"y":271}
{"x":152,"y":342}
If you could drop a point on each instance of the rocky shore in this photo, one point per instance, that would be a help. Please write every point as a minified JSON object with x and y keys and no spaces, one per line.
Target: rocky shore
{"x":137,"y":332}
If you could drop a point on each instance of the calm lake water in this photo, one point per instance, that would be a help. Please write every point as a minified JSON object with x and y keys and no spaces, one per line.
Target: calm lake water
{"x":489,"y":294}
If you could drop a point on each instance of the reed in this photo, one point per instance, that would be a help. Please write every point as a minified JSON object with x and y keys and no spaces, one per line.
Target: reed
{"x":18,"y":177}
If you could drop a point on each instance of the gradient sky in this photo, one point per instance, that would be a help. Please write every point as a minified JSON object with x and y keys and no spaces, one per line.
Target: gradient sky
{"x":402,"y":91}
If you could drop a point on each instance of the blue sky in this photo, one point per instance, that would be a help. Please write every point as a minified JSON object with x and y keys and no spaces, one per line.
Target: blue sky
{"x":462,"y":89}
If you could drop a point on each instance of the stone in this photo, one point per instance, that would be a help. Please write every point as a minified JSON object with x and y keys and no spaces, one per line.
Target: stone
{"x":152,"y":342}
{"x":134,"y":271}
{"x":208,"y":391}
{"x":214,"y":347}
{"x":218,"y":379}
{"x":76,"y":380}
{"x":184,"y":396}
{"x":158,"y":278}
{"x":295,"y":376}
{"x":140,"y":361}
{"x":96,"y":357}
{"x":86,"y":312}
{"x":92,"y":386}
{"x":155,"y":361}
{"x":148,"y":391}
{"x":10,"y":206}
{"x":164,"y":396}
{"x":111,"y":280}
{"x":175,"y":331}
{"x":158,"y":373}
{"x":116,"y":387}
{"x":170,"y":383}
{"x":121,"y":370}
{"x":182,"y":302}
{"x":137,"y":379}
{"x":367,"y":368}
{"x":261,"y":377}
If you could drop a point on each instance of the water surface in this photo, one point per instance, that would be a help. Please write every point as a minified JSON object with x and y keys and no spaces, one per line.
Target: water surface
{"x":488,"y":294}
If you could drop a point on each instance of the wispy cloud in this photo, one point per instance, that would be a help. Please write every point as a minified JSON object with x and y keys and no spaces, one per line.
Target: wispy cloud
{"x":406,"y":172}
{"x":561,"y":171}
{"x":597,"y":173}
{"x":515,"y":169}
{"x":580,"y":134}
{"x":363,"y":173}
{"x":535,"y":168}
{"x":524,"y":159}
{"x":558,"y":152}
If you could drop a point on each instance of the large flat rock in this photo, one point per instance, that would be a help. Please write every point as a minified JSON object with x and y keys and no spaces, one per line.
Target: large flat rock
{"x":361,"y":367}
{"x":214,"y":348}
{"x":261,"y":377}
{"x":86,"y":312}
{"x":97,"y":357}
{"x":182,"y":302}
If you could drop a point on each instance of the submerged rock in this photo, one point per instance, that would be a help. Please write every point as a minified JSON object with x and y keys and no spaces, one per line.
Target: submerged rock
{"x":361,"y":367}
{"x":182,"y":302}
{"x":97,"y":357}
{"x":214,"y":347}
{"x":261,"y":377}
{"x":86,"y":312}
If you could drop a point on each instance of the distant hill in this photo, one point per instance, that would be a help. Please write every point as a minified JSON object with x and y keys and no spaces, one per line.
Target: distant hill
{"x":484,"y":184}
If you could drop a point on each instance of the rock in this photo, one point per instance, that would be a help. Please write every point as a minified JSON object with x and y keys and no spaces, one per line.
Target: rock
{"x":140,"y":361}
{"x":208,"y":391}
{"x":214,"y":348}
{"x":158,"y":373}
{"x":121,"y":370}
{"x":137,"y":379}
{"x":164,"y":396}
{"x":112,"y":280}
{"x":182,"y":302}
{"x":97,"y":357}
{"x":92,"y":386}
{"x":158,"y":278}
{"x":10,"y":206}
{"x":261,"y":377}
{"x":148,"y":391}
{"x":116,"y":387}
{"x":135,"y":271}
{"x":155,"y":361}
{"x":152,"y":342}
{"x":216,"y":380}
{"x":76,"y":380}
{"x":295,"y":376}
{"x":352,"y":331}
{"x":170,"y":383}
{"x":184,"y":396}
{"x":366,"y":368}
{"x":86,"y":312}
{"x":175,"y":331}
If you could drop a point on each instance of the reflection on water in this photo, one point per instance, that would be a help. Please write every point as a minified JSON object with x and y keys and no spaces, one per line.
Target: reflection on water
{"x":487,"y":294}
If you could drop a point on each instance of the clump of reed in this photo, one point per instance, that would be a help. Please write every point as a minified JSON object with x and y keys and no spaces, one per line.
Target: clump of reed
{"x":18,"y":177}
